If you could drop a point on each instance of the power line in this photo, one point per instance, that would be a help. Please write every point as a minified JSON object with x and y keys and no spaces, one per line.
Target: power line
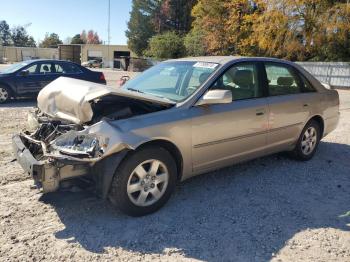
{"x":109,"y":29}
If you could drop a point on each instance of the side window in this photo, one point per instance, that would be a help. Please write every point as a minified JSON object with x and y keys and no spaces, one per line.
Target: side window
{"x":58,"y":68}
{"x":32,"y":69}
{"x":241,"y":80}
{"x":47,"y":68}
{"x":282,"y":80}
{"x":306,"y":86}
{"x":198,"y":76}
{"x":70,"y":69}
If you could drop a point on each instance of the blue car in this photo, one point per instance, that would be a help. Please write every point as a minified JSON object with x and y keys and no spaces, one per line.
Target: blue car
{"x":26,"y":79}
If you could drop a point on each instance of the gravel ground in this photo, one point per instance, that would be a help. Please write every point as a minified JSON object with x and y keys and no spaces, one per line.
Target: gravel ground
{"x":271,"y":208}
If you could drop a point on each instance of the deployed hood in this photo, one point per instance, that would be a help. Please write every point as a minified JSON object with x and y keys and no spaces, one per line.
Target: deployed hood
{"x":70,"y":99}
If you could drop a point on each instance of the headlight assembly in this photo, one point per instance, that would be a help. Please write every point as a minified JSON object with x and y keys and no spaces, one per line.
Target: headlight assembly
{"x":74,"y":143}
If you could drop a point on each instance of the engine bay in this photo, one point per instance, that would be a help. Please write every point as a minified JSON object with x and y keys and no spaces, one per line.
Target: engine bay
{"x":115,"y":108}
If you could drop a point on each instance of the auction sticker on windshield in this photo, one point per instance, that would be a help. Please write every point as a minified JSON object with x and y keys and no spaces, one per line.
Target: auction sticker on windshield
{"x":205,"y":65}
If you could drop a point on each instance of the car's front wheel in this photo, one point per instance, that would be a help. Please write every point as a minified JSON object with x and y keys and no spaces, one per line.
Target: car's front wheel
{"x":144,"y":181}
{"x":4,"y":94}
{"x":308,"y":141}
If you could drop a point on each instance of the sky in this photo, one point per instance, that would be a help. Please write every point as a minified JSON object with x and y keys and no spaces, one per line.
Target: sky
{"x":68,"y":17}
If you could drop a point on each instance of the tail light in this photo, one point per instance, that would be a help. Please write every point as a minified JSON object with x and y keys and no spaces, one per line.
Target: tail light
{"x":102,"y":77}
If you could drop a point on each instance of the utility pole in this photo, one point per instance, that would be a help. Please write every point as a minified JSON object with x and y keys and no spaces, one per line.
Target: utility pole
{"x":109,"y":30}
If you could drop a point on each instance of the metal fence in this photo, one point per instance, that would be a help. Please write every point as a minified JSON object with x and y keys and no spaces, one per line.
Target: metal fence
{"x":336,"y":74}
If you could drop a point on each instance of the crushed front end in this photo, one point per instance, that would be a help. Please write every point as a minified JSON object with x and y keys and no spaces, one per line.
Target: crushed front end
{"x":73,"y":133}
{"x":50,"y":152}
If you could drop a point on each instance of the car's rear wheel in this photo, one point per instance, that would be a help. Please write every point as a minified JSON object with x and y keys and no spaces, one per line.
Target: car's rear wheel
{"x":144,"y":181}
{"x":4,"y":94}
{"x":308,"y":141}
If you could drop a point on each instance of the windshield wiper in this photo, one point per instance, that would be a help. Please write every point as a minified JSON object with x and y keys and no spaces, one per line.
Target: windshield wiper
{"x":135,"y":90}
{"x":162,"y":97}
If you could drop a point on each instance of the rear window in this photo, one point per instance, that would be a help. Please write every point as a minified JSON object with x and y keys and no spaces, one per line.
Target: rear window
{"x":282,"y":80}
{"x":71,"y":69}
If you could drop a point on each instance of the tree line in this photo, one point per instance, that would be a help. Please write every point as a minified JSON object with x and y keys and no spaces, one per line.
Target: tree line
{"x":18,"y":36}
{"x":303,"y":30}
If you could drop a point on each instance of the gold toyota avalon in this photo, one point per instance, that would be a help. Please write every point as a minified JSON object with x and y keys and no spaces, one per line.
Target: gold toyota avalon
{"x":178,"y":119}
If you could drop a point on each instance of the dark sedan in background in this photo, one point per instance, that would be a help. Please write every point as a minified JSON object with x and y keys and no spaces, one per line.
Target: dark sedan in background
{"x":29,"y":77}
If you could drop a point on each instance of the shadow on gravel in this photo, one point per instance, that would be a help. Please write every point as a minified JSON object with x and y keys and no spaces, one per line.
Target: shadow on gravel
{"x":245,"y":212}
{"x":20,"y":102}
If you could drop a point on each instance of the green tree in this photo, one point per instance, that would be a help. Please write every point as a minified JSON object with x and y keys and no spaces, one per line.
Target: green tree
{"x":165,"y":46}
{"x":152,"y":17}
{"x":20,"y":37}
{"x":5,"y":34}
{"x":142,"y":24}
{"x":194,"y":43}
{"x":51,"y":41}
{"x":176,"y":15}
{"x":77,"y":40}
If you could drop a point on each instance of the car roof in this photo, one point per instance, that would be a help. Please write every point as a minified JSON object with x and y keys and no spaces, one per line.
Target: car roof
{"x":210,"y":59}
{"x":226,"y":59}
{"x":46,"y":60}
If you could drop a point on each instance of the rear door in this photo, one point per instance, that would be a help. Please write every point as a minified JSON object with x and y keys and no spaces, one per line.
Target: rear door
{"x":289,"y":105}
{"x":226,"y":133}
{"x":73,"y":71}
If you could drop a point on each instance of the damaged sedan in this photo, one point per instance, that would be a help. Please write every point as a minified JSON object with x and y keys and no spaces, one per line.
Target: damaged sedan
{"x":178,"y":119}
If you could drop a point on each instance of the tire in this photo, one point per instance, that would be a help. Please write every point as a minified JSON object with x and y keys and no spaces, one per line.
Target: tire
{"x":5,"y":94}
{"x":308,"y":141}
{"x":136,"y":189}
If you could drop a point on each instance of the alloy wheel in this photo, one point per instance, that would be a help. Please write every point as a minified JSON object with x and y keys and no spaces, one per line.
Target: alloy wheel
{"x":3,"y":95}
{"x":309,"y":141}
{"x":147,"y":183}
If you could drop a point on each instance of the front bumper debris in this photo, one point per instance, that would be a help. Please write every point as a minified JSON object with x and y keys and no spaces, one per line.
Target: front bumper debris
{"x":47,"y":173}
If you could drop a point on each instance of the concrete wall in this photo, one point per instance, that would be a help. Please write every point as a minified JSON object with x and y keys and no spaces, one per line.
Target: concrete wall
{"x":17,"y":54}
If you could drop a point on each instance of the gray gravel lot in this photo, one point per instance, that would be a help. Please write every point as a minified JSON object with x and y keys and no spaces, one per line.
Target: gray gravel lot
{"x":271,"y":208}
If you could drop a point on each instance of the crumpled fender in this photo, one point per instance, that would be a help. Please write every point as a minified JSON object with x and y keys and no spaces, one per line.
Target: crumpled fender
{"x":118,"y":140}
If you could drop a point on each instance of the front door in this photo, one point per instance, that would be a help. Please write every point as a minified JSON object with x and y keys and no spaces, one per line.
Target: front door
{"x":30,"y":82}
{"x":223,"y":134}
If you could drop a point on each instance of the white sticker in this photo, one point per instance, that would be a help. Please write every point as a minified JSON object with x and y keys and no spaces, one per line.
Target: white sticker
{"x":205,"y":65}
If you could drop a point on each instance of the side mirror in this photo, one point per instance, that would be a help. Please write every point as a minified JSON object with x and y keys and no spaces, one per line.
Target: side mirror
{"x":24,"y":73}
{"x":216,"y":97}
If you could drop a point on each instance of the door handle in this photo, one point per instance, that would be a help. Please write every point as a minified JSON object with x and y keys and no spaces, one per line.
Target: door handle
{"x":305,"y":105}
{"x":260,"y":111}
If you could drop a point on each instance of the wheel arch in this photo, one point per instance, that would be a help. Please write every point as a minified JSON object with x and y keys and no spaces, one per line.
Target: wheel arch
{"x":320,"y":121}
{"x":11,"y":90}
{"x":171,"y":148}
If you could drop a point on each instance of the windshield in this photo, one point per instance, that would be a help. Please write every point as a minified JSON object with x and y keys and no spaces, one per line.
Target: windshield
{"x":172,"y":80}
{"x":14,"y":68}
